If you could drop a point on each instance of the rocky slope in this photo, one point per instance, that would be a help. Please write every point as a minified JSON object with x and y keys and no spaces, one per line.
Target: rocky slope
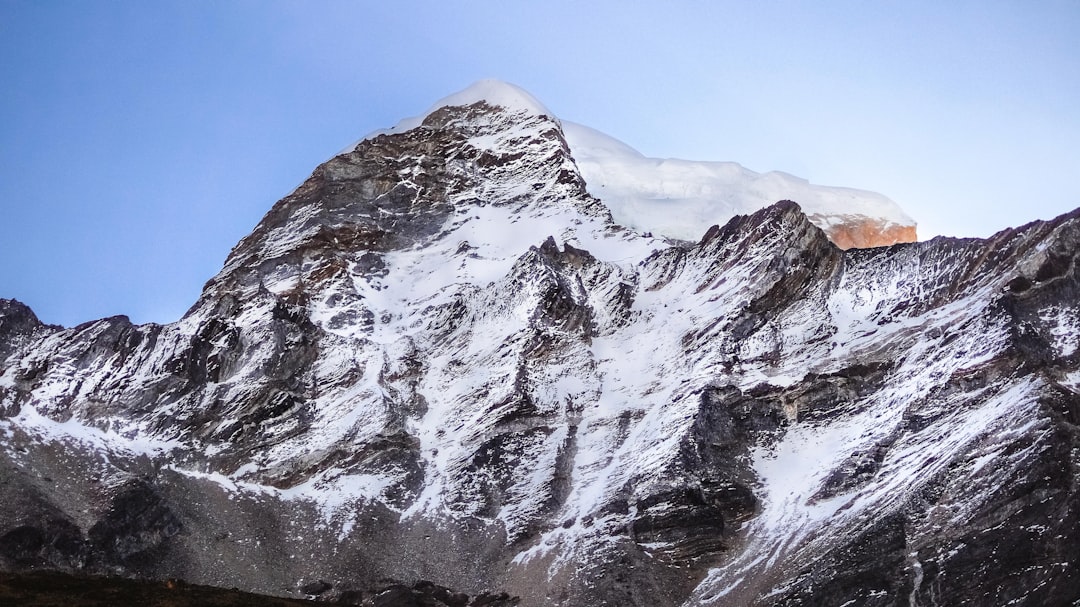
{"x":49,"y":589}
{"x":53,"y":588}
{"x":441,"y":359}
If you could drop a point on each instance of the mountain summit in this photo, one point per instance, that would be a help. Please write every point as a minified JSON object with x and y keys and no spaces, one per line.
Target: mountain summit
{"x":680,"y":198}
{"x":441,"y":363}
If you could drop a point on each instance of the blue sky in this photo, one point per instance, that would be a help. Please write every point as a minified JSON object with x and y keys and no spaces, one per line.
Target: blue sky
{"x":140,"y":140}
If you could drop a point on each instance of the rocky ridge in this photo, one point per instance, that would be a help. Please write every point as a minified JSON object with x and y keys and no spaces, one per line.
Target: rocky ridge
{"x":441,"y":359}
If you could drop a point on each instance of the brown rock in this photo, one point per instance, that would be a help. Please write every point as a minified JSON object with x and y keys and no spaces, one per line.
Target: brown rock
{"x":860,"y":232}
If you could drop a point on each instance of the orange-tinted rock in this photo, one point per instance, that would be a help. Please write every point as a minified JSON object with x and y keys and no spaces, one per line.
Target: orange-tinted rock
{"x":865,"y":232}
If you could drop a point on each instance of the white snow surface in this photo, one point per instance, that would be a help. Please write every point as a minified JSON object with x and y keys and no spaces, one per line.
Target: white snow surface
{"x":682,"y":198}
{"x":105,"y":442}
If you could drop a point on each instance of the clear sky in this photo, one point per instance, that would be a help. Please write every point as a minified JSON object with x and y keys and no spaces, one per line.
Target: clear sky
{"x":139,"y":141}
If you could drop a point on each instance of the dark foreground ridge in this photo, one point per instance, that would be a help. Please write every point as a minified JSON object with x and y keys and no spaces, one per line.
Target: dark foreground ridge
{"x":57,"y":589}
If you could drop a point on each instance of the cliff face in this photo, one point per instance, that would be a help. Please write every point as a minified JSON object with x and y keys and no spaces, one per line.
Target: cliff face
{"x":861,"y":232}
{"x":441,"y":359}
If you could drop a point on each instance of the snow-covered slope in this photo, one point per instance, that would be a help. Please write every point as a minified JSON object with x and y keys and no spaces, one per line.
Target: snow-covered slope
{"x":440,"y":358}
{"x":681,"y":198}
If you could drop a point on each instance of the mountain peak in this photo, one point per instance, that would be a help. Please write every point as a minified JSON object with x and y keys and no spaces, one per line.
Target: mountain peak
{"x":680,"y":199}
{"x":493,"y":92}
{"x":441,"y":345}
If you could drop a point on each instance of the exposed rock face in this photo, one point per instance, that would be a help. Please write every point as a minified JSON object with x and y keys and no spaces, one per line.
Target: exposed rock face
{"x":440,"y":359}
{"x":861,"y":232}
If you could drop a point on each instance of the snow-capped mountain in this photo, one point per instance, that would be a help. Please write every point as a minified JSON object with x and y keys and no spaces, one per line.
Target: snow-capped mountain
{"x":441,"y":358}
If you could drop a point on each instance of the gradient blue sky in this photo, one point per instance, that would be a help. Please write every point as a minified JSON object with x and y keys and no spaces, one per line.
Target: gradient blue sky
{"x":140,"y":140}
